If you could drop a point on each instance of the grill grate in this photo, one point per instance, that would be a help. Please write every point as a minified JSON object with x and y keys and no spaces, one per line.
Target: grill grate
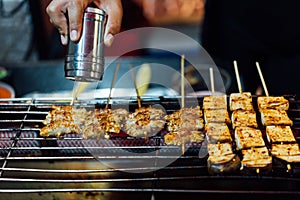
{"x":33,"y":164}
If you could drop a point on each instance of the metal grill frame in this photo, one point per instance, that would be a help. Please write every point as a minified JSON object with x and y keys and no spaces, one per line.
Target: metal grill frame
{"x":188,"y":167}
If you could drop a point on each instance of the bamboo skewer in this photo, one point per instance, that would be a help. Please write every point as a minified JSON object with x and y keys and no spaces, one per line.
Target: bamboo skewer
{"x":237,"y":76}
{"x":138,"y":95}
{"x":211,"y":73}
{"x":112,"y":83}
{"x":135,"y":86}
{"x":182,"y":82}
{"x":262,"y":79}
{"x":182,"y":99}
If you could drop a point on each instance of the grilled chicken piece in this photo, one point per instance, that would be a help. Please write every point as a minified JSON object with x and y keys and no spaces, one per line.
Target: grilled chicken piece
{"x":240,"y":101}
{"x":276,"y":134}
{"x":244,"y":118}
{"x":184,"y":126}
{"x":216,"y":116}
{"x":103,"y":122}
{"x":145,"y":122}
{"x":215,"y":102}
{"x":91,"y":123}
{"x":64,"y":120}
{"x":185,"y":119}
{"x":217,"y":132}
{"x":278,"y":103}
{"x":247,"y":137}
{"x":271,"y":117}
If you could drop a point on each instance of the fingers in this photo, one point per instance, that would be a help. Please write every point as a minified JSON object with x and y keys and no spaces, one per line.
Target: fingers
{"x":57,"y":11}
{"x":114,"y":11}
{"x":75,"y":15}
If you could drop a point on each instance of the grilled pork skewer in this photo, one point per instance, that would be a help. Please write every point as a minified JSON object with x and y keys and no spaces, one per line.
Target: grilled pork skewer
{"x":186,"y":119}
{"x":145,"y":122}
{"x":63,"y":120}
{"x":184,"y":126}
{"x":103,"y":122}
{"x":183,"y":137}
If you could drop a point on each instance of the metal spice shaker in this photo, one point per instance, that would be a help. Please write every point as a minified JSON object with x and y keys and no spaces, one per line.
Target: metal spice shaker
{"x":84,"y":61}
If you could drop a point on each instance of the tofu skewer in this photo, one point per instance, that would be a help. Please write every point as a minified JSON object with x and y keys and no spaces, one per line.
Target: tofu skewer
{"x":262,"y":79}
{"x":237,"y":75}
{"x":249,"y":140}
{"x":274,"y":116}
{"x":221,"y":158}
{"x":241,"y":100}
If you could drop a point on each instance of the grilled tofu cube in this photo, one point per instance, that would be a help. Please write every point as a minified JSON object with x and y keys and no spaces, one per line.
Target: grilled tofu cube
{"x":280,"y":134}
{"x":278,"y":103}
{"x":256,"y":157}
{"x":271,"y":117}
{"x":215,"y":102}
{"x":222,"y":159}
{"x":285,"y":149}
{"x":244,"y":118}
{"x":217,"y":132}
{"x":219,"y":149}
{"x":216,"y":116}
{"x":240,"y":101}
{"x":247,"y":137}
{"x":287,"y":152}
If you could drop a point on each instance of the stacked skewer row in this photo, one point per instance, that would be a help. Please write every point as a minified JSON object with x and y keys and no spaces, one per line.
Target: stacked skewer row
{"x":221,"y":158}
{"x":244,"y":149}
{"x":274,"y":117}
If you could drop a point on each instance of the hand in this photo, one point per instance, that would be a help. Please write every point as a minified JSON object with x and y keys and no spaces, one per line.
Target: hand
{"x":172,"y":10}
{"x":58,"y":9}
